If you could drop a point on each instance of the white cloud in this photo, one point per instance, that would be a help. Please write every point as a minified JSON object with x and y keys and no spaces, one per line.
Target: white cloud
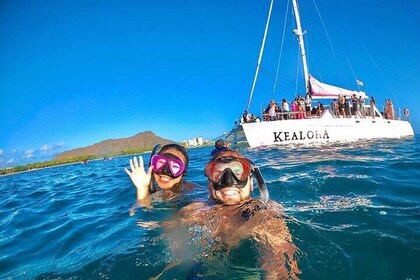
{"x":29,"y":153}
{"x":60,"y":144}
{"x":43,"y":153}
{"x":46,"y":147}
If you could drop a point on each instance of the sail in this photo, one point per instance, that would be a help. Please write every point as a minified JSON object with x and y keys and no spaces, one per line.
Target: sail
{"x":320,"y":90}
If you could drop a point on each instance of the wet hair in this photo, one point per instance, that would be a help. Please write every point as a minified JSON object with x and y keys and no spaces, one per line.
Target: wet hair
{"x":227,"y":153}
{"x":178,"y":148}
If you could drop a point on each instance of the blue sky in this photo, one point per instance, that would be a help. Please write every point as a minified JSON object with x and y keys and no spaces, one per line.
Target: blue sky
{"x":74,"y":73}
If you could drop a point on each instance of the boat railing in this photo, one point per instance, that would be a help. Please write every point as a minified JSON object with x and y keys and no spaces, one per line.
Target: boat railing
{"x":291,"y":115}
{"x":364,"y":112}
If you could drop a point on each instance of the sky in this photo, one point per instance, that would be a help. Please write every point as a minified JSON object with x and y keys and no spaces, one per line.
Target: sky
{"x":74,"y":73}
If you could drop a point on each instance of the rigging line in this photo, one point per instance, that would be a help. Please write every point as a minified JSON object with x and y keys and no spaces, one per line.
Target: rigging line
{"x":380,"y":72}
{"x":267,"y":74}
{"x":260,"y":56}
{"x":348,"y":62}
{"x":281,"y":48}
{"x":328,"y":37}
{"x":308,"y":41}
{"x":351,"y":68}
{"x":319,"y":75}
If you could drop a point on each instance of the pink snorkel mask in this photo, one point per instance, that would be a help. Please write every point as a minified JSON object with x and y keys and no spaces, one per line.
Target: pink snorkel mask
{"x":168,"y":164}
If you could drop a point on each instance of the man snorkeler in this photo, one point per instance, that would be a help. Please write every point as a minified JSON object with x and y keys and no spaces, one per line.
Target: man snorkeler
{"x":231,"y":215}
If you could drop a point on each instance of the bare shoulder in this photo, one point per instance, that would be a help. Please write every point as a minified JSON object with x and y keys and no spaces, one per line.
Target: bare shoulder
{"x":275,"y":206}
{"x":189,"y":186}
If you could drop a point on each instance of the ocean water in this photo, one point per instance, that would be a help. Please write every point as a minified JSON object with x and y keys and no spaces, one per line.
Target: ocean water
{"x":353,"y":211}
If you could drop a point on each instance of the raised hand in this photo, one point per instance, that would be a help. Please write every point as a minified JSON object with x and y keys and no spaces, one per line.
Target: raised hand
{"x":139,"y":177}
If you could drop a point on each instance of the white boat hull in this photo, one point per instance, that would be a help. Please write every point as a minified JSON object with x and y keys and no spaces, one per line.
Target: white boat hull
{"x":318,"y":130}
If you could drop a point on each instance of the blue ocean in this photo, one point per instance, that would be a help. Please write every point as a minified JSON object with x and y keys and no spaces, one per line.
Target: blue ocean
{"x":353,"y":210}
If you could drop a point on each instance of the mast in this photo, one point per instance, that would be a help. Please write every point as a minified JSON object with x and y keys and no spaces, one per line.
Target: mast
{"x":300,"y":34}
{"x":260,"y":57}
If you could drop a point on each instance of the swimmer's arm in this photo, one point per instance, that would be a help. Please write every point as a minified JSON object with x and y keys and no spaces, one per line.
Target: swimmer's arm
{"x":277,"y":250}
{"x":141,"y":180}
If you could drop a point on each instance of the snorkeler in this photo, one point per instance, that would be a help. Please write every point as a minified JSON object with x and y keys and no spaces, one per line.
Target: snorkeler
{"x":166,"y":171}
{"x":219,"y":146}
{"x":231,"y":215}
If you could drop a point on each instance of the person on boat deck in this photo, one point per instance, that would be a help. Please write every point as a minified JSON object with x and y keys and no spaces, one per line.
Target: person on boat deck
{"x":254,"y":118}
{"x":342,"y":105}
{"x":301,"y":106}
{"x":372,"y":107}
{"x":319,"y":109}
{"x":272,"y":110}
{"x":354,"y":105}
{"x":348,"y":108}
{"x":360,"y":106}
{"x":219,"y":146}
{"x":389,"y":109}
{"x":285,"y":108}
{"x":336,"y":108}
{"x":246,"y":117}
{"x":230,"y":216}
{"x":165,"y":175}
{"x":308,"y":104}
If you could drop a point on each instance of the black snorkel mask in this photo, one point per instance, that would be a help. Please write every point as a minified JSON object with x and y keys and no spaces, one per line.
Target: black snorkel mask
{"x":229,"y":179}
{"x":234,"y":172}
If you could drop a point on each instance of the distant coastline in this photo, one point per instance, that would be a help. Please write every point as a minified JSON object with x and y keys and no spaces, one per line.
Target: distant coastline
{"x":137,"y":144}
{"x":48,"y":164}
{"x":66,"y":161}
{"x":140,"y":143}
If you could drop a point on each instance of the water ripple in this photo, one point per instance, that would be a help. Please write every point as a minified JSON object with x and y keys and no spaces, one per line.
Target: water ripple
{"x":349,"y":207}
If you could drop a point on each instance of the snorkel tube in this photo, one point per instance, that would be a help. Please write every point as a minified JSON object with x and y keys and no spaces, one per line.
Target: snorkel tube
{"x":152,"y":187}
{"x":262,"y":186}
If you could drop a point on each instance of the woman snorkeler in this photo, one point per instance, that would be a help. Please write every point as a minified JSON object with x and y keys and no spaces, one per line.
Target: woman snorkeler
{"x":165,"y":174}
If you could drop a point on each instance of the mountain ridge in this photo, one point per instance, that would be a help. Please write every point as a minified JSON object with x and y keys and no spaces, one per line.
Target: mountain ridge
{"x":143,"y":140}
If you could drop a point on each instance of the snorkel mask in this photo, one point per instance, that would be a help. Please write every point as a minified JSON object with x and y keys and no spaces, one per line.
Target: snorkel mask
{"x":231,"y":171}
{"x":167,"y":163}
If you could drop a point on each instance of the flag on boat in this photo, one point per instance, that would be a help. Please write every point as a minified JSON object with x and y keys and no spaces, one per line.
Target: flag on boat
{"x":359,"y":83}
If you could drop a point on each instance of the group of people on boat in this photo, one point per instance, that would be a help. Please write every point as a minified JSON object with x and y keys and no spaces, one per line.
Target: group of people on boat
{"x":249,"y":118}
{"x":229,"y":216}
{"x":343,"y":107}
{"x":300,"y":108}
{"x":355,"y":106}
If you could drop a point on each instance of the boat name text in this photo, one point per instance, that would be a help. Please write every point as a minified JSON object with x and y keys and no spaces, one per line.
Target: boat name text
{"x":300,"y":135}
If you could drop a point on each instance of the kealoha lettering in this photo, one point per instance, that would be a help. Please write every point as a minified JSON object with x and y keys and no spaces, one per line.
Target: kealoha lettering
{"x":282,"y":136}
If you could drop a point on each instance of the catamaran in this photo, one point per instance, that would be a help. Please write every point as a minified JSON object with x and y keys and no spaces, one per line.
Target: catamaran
{"x":332,"y":124}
